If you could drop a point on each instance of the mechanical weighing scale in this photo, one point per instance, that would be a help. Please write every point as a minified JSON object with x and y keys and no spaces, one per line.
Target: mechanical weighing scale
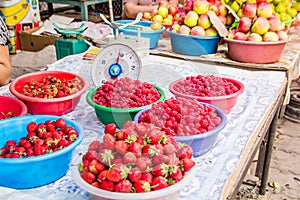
{"x":122,"y":57}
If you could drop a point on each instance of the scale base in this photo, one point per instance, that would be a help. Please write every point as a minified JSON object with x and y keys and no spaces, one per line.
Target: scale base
{"x":139,"y":44}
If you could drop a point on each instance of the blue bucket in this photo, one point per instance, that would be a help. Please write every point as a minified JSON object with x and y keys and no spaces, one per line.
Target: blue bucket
{"x":154,"y":35}
{"x":193,"y":45}
{"x":30,"y":172}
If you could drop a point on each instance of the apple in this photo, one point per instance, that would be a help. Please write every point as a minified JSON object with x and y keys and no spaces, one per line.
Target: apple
{"x":157,"y":18}
{"x":222,"y":19}
{"x":170,"y":16}
{"x":198,"y":31}
{"x":191,"y":19}
{"x":177,"y":16}
{"x":254,"y":37}
{"x":229,"y":19}
{"x":223,"y":10}
{"x":163,"y":11}
{"x":204,"y":21}
{"x":211,"y":32}
{"x":173,"y":10}
{"x":249,"y":10}
{"x":282,"y":35}
{"x":167,"y":21}
{"x":214,"y":8}
{"x":153,"y":13}
{"x":147,"y":15}
{"x":201,"y":6}
{"x":183,"y":29}
{"x":244,"y":24}
{"x":175,"y":28}
{"x":264,"y":9}
{"x":156,"y":25}
{"x":188,"y":5}
{"x":231,"y":33}
{"x":275,"y":23}
{"x":163,"y":3}
{"x":261,"y":26}
{"x":270,"y":36}
{"x":240,"y":36}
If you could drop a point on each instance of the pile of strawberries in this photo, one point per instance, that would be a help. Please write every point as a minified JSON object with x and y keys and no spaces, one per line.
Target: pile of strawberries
{"x":126,"y":93}
{"x":205,"y":86}
{"x":182,"y":117}
{"x":6,"y":115}
{"x":42,"y":138}
{"x":137,"y":158}
{"x":51,"y":87}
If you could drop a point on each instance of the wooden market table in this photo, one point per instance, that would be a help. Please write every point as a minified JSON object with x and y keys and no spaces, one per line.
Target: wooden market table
{"x":251,"y":125}
{"x":83,"y":4}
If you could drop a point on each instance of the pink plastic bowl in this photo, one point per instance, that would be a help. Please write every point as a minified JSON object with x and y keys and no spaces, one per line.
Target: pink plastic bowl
{"x":55,"y":106}
{"x":255,"y":52}
{"x":11,"y":104}
{"x":226,"y":102}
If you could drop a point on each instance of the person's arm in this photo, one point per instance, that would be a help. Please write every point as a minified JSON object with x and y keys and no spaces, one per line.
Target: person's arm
{"x":5,"y":65}
{"x":132,"y":9}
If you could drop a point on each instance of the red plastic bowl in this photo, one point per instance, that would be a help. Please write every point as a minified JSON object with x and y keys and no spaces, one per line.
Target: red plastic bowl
{"x":55,"y":106}
{"x":226,"y":102}
{"x":255,"y":52}
{"x":11,"y":104}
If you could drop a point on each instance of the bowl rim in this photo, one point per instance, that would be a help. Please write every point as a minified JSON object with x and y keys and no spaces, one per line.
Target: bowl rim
{"x":193,"y":36}
{"x":221,"y":126}
{"x":236,"y":82}
{"x":24,"y":109}
{"x":134,"y":31}
{"x":124,"y":196}
{"x":120,"y":110}
{"x":40,"y":100}
{"x":228,"y":40}
{"x":48,"y":155}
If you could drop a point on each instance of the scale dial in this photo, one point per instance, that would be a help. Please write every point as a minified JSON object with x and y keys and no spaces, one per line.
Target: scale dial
{"x":115,"y":61}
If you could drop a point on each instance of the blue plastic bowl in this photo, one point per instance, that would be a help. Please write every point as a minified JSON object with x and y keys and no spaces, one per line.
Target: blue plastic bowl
{"x":30,"y":172}
{"x":201,"y":143}
{"x":154,"y":36}
{"x":193,"y":45}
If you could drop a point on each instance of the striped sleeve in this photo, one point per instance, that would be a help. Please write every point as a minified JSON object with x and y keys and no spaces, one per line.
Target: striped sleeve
{"x":4,"y":38}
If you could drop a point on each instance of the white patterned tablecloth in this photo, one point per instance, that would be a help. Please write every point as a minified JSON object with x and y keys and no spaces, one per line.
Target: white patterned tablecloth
{"x":214,"y":168}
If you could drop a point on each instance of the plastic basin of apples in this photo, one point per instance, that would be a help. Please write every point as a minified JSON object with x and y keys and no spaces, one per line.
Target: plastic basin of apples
{"x":255,"y":52}
{"x":147,"y":32}
{"x":193,"y":45}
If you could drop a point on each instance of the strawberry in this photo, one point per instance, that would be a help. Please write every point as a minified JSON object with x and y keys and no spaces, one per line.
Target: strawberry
{"x":94,"y":145}
{"x":185,"y":152}
{"x":123,"y":186}
{"x":141,"y":128}
{"x":135,"y":148}
{"x":106,"y":157}
{"x":88,"y":176}
{"x":31,"y":127}
{"x":129,"y":158}
{"x":41,"y":128}
{"x":154,"y":136}
{"x":175,"y":173}
{"x":63,"y":143}
{"x":72,"y":136}
{"x":147,"y":176}
{"x":142,"y":186}
{"x":107,"y":185}
{"x":134,"y":175}
{"x":121,"y":147}
{"x":143,"y":163}
{"x":161,"y":170}
{"x":60,"y":123}
{"x":159,"y":183}
{"x":108,"y":141}
{"x":120,"y":135}
{"x":96,"y":184}
{"x":114,"y":175}
{"x":10,"y":143}
{"x":187,"y":164}
{"x":102,"y":175}
{"x":169,"y":149}
{"x":110,"y":128}
{"x":96,"y":167}
{"x":91,"y":155}
{"x":160,"y":158}
{"x":50,"y":127}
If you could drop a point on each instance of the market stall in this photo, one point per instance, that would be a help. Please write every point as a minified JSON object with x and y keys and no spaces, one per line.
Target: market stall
{"x":219,"y":172}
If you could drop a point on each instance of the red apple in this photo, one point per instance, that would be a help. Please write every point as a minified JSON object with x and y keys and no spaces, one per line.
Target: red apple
{"x":264,"y":9}
{"x":173,"y":10}
{"x":240,"y":36}
{"x":183,"y":29}
{"x":188,"y":5}
{"x":249,"y":10}
{"x":275,"y":23}
{"x":282,"y":35}
{"x":198,"y":31}
{"x":244,"y":24}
